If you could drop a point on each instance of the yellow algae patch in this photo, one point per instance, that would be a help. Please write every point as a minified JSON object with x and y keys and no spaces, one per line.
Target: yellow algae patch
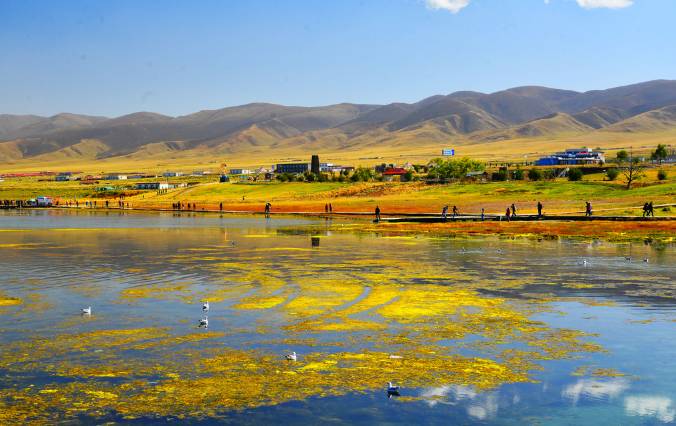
{"x":585,"y":370}
{"x":271,"y":249}
{"x":156,"y":292}
{"x":336,"y":324}
{"x":325,"y":365}
{"x":607,"y":372}
{"x":378,"y":296}
{"x":101,"y":394}
{"x":418,"y":303}
{"x":9,"y":301}
{"x":260,"y":302}
{"x":319,"y":296}
{"x":20,"y":245}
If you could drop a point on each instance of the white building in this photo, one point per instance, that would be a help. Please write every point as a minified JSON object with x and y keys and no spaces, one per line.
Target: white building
{"x":152,"y":185}
{"x":116,"y":177}
{"x":172,"y":174}
{"x":240,"y":172}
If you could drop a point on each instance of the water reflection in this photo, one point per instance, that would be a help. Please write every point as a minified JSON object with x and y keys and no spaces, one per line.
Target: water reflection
{"x":659,"y":407}
{"x":595,"y":389}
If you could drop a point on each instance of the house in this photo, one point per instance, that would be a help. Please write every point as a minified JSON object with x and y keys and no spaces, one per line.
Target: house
{"x":152,"y":185}
{"x":293,"y":168}
{"x":576,"y":156}
{"x":477,"y":176}
{"x":62,"y":178}
{"x":116,"y":177}
{"x":172,"y":174}
{"x":394,"y":172}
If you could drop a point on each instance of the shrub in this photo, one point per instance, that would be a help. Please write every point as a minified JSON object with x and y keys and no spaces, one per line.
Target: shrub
{"x":662,"y":174}
{"x":574,"y":175}
{"x":501,"y":175}
{"x":612,"y":173}
{"x":549,"y":174}
{"x":534,"y":174}
{"x":518,"y":174}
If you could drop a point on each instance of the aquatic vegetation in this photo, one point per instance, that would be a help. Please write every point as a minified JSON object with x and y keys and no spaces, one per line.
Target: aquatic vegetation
{"x":9,"y":301}
{"x":360,"y":311}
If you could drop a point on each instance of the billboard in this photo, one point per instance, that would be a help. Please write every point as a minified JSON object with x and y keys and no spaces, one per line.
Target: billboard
{"x":448,"y":152}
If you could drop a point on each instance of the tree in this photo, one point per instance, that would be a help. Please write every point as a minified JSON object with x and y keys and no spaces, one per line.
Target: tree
{"x":518,"y":174}
{"x":660,"y":153}
{"x":621,"y":156}
{"x":362,"y":174}
{"x":534,"y":174}
{"x":453,"y":168}
{"x":633,"y":171}
{"x":662,"y":174}
{"x":575,"y":174}
{"x":612,"y":173}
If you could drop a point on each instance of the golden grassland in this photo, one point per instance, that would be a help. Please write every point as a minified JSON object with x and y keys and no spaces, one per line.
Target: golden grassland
{"x":413,"y":146}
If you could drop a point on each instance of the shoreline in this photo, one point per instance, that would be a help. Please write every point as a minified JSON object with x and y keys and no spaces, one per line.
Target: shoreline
{"x":657,"y":230}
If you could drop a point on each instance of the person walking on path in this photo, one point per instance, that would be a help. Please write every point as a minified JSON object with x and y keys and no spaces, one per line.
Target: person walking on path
{"x":220,"y":206}
{"x":651,"y":209}
{"x":539,"y":210}
{"x":455,"y":211}
{"x":482,"y":214}
{"x":513,"y":209}
{"x":326,"y":208}
{"x":646,"y":209}
{"x":268,"y":207}
{"x":377,"y":214}
{"x":330,"y":208}
{"x":588,"y":209}
{"x":508,"y":214}
{"x":444,"y":213}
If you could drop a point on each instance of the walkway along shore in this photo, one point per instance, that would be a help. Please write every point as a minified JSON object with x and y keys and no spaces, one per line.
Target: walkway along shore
{"x":397,"y":217}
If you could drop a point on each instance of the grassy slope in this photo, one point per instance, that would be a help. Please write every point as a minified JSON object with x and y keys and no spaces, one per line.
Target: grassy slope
{"x":418,"y":146}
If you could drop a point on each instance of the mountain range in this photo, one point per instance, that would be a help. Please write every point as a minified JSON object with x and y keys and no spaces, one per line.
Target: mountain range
{"x":520,"y":112}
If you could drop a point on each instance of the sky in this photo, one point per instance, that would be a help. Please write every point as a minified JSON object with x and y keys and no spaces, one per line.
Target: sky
{"x":177,"y":57}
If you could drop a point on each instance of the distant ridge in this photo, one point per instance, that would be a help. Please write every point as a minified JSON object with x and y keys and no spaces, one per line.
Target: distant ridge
{"x":520,"y":112}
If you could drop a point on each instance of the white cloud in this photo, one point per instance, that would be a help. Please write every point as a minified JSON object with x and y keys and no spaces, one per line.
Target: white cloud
{"x":453,"y":6}
{"x":608,"y":4}
{"x":659,"y":407}
{"x":595,"y":389}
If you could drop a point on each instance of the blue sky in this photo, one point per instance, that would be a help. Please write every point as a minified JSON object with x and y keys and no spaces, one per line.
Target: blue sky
{"x":176,"y":57}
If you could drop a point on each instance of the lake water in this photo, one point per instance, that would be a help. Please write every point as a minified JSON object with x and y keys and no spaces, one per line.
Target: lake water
{"x":485,"y":331}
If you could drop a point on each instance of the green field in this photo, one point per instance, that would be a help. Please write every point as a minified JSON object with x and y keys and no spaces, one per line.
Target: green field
{"x":557,"y":195}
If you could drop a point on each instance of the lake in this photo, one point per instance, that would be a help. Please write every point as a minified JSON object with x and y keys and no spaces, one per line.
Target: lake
{"x":473,"y":330}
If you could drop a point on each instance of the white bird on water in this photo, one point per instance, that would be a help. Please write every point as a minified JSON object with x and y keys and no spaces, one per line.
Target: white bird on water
{"x":205,"y":306}
{"x":204,"y":322}
{"x":392,"y":388}
{"x":584,"y":262}
{"x":646,"y":260}
{"x":87,"y":310}
{"x":291,"y":357}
